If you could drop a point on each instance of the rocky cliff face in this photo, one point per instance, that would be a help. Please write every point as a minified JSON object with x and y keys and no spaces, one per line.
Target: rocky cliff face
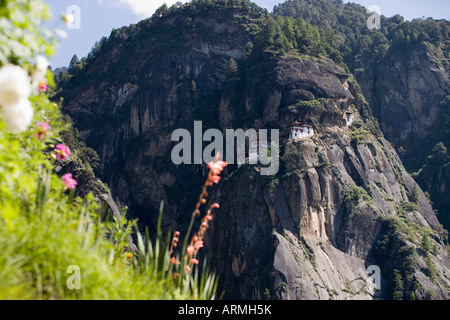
{"x":409,"y":92}
{"x":139,"y":91}
{"x":413,"y":84}
{"x":403,"y":70}
{"x":311,"y":231}
{"x":341,"y":201}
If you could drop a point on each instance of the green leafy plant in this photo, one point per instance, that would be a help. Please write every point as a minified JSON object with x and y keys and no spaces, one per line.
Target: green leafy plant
{"x":55,"y":244}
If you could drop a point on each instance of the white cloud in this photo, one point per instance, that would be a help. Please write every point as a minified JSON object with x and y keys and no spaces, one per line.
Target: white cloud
{"x":141,"y":8}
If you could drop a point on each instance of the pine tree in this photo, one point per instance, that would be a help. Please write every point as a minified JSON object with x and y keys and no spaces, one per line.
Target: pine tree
{"x":74,"y":61}
{"x":398,"y":286}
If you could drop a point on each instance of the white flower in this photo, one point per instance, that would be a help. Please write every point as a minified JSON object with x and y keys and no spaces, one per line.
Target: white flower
{"x":68,"y":18}
{"x":42,"y":64}
{"x":40,"y":74}
{"x":14,"y":85}
{"x":18,"y":117}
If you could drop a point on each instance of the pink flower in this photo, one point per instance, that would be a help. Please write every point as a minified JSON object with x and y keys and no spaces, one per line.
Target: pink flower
{"x":62,"y":152}
{"x":190,"y":250}
{"x":43,"y":87}
{"x":222,"y":164}
{"x":43,"y":129}
{"x":214,"y":179}
{"x":215,"y":205}
{"x":217,"y":167}
{"x":69,"y":181}
{"x":198,"y":244}
{"x":194,"y":261}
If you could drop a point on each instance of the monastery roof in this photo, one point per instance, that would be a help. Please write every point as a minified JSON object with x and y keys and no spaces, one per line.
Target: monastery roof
{"x":301,"y":124}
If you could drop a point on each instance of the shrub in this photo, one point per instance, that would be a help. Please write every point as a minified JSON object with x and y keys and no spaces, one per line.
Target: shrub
{"x":293,"y":160}
{"x":354,"y":195}
{"x":55,"y":245}
{"x":358,"y":135}
{"x":409,"y":207}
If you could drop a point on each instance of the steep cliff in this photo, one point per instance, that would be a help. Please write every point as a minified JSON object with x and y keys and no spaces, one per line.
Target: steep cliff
{"x":414,"y":86}
{"x":403,"y":70}
{"x":341,"y":201}
{"x":127,"y":101}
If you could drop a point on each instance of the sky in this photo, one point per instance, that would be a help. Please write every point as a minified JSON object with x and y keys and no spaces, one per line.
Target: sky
{"x":96,"y":18}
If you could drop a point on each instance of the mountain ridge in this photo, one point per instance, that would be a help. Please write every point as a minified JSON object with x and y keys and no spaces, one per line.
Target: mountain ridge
{"x":403,"y":70}
{"x":342,"y":200}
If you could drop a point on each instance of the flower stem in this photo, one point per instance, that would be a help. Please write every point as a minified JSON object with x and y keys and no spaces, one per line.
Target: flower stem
{"x":196,"y":212}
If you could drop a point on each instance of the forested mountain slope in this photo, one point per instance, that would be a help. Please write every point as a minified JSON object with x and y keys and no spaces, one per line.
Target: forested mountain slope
{"x":341,"y":201}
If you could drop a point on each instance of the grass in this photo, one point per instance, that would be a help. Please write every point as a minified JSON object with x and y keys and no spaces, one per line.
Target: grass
{"x":36,"y":251}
